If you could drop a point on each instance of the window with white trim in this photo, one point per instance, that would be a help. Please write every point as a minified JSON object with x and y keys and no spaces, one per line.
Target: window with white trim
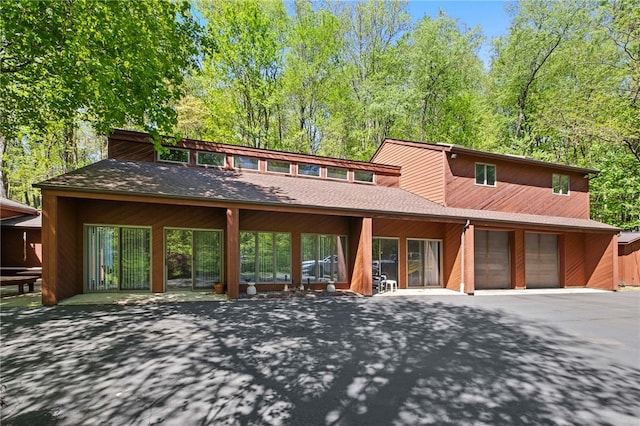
{"x":337,"y":173}
{"x":213,"y":159}
{"x":248,"y":163}
{"x":485,"y":174}
{"x":174,"y":155}
{"x":278,"y":166}
{"x":560,"y":184}
{"x":309,"y":170}
{"x":362,"y":176}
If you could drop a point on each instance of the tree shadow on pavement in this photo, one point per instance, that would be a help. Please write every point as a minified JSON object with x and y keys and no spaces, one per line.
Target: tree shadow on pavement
{"x":301,"y":362}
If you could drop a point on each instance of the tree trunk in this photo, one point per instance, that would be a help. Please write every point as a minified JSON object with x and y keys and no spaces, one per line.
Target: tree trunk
{"x":3,"y":180}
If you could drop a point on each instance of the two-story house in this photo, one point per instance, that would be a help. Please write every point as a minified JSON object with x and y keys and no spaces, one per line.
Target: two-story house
{"x":425,"y":215}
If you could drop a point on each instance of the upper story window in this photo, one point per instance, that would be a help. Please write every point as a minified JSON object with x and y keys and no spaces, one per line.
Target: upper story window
{"x":278,"y":166}
{"x":362,"y":176}
{"x":308,"y":170}
{"x":249,"y":163}
{"x":485,"y":174}
{"x":174,"y":155}
{"x":560,"y":184}
{"x":210,"y":159}
{"x":337,"y":173}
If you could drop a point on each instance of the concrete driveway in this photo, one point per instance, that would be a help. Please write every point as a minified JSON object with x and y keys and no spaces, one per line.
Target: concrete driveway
{"x":535,"y":359}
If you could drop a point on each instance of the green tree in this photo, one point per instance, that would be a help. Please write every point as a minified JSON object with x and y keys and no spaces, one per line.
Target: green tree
{"x":363,"y":116}
{"x":243,"y":65}
{"x":565,"y":81}
{"x":312,"y":78}
{"x":106,"y":63}
{"x":443,"y":88}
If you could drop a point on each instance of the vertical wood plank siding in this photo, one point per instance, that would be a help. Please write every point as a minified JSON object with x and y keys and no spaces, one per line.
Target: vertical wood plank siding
{"x":125,"y":150}
{"x":517,"y":259}
{"x":12,"y":252}
{"x":422,"y":169}
{"x":452,"y":256}
{"x":629,"y":263}
{"x":600,"y":265}
{"x":61,"y":269}
{"x":574,"y":267}
{"x":404,"y":229}
{"x":362,"y":274}
{"x":49,"y":258}
{"x":519,"y":189}
{"x":231,"y":253}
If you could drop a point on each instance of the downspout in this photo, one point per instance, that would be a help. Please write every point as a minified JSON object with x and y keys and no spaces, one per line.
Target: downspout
{"x":464,"y":229}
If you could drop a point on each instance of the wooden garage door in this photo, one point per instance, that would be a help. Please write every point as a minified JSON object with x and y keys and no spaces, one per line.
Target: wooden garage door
{"x":541,"y":261}
{"x":492,"y":265}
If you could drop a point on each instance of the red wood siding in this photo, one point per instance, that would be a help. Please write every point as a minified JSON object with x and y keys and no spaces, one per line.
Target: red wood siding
{"x":452,"y":256}
{"x":130,"y":151}
{"x":629,"y":263}
{"x":61,"y":267}
{"x":231,"y":261}
{"x":422,"y":169}
{"x":600,"y":267}
{"x":404,"y":229}
{"x":15,"y":251}
{"x":135,"y":146}
{"x":519,"y":189}
{"x":361,"y":240}
{"x":298,"y":224}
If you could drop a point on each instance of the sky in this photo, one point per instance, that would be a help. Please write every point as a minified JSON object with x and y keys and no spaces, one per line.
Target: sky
{"x":491,"y":16}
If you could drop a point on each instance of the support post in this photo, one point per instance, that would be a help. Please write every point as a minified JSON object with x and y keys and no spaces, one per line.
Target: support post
{"x":232,"y":253}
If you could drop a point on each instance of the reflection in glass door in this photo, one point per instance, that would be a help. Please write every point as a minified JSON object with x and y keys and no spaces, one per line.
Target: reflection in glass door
{"x":385,"y":257}
{"x":423,"y":263}
{"x":193,"y":259}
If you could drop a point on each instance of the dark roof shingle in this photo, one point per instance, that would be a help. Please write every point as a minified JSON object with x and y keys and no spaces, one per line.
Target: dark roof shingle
{"x":175,"y":181}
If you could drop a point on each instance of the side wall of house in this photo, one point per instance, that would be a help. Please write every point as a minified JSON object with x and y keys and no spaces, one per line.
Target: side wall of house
{"x":21,"y":247}
{"x":422,"y":169}
{"x":629,"y":263}
{"x":601,"y":261}
{"x":519,"y":189}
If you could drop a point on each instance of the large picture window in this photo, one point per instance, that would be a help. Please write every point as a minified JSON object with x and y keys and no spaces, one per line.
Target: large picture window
{"x":193,"y":259}
{"x":324,"y":258}
{"x":118,"y":258}
{"x":265,"y":257}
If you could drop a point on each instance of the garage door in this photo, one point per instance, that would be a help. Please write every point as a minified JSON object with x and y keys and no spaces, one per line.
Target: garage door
{"x":541,"y":261}
{"x":492,"y":265}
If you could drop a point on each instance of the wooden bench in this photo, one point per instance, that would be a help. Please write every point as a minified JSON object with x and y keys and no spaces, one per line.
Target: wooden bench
{"x":19,"y":281}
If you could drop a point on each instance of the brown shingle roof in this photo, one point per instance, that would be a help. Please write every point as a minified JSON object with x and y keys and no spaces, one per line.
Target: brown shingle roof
{"x":628,"y":237}
{"x":22,"y":222}
{"x":174,"y":181}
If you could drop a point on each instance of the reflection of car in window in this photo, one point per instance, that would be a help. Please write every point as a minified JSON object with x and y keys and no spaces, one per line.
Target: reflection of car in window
{"x":308,"y":266}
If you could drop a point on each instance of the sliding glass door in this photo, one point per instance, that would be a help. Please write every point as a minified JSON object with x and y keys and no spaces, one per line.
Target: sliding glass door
{"x":193,"y":259}
{"x":424,"y":263}
{"x":118,"y":258}
{"x":385,"y":257}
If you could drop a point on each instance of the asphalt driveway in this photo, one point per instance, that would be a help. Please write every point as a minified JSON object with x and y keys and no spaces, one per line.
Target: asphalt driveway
{"x":534,"y":359}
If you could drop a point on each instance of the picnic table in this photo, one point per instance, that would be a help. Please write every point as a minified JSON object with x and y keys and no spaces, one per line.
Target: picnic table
{"x":20,"y":281}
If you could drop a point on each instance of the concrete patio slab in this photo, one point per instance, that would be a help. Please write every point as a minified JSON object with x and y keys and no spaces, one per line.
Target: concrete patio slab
{"x":141,"y":298}
{"x":419,"y":292}
{"x":531,"y":291}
